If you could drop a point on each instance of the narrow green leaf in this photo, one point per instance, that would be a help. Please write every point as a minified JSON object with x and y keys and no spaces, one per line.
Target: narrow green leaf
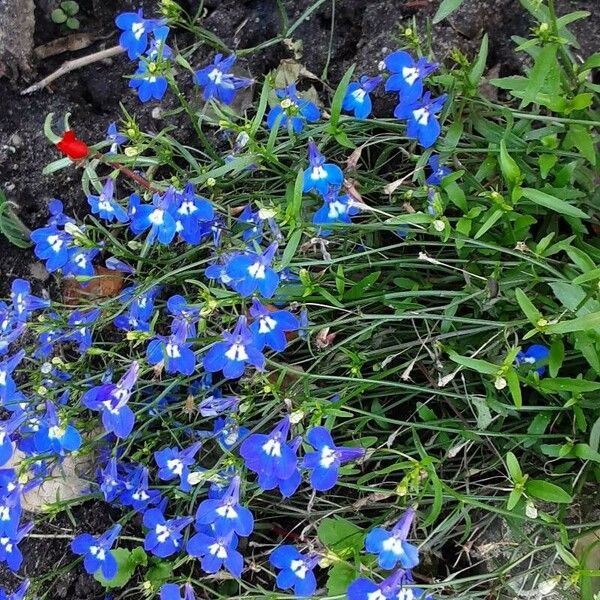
{"x":514,"y":469}
{"x":553,"y":203}
{"x":489,"y":223}
{"x":514,"y":386}
{"x":544,"y":490}
{"x":290,"y":249}
{"x":585,"y":323}
{"x":544,"y":63}
{"x":510,"y":169}
{"x":476,"y":364}
{"x":338,"y":98}
{"x":479,"y":65}
{"x":529,"y":310}
{"x":567,"y":384}
{"x":446,"y":8}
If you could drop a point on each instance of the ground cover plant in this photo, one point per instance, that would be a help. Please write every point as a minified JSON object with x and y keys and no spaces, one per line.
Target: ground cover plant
{"x":319,"y":352}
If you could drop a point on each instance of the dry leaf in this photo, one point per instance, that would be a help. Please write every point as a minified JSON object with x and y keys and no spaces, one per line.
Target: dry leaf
{"x":106,"y":284}
{"x":70,"y":43}
{"x":324,"y":338}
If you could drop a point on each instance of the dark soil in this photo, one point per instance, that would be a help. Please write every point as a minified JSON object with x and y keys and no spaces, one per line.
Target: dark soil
{"x":361,"y":31}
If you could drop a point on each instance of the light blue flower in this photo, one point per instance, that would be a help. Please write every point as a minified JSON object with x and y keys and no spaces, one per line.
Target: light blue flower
{"x":423,"y":124}
{"x":320,"y":176}
{"x":296,"y":570}
{"x":358,"y":99}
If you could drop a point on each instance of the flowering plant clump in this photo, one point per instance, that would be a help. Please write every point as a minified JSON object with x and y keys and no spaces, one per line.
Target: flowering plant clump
{"x":318,"y":360}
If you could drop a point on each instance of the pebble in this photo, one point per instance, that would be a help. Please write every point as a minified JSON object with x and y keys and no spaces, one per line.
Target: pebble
{"x":16,"y":140}
{"x":157,"y":113}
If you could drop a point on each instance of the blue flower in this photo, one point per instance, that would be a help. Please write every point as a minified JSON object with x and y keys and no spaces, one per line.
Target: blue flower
{"x":111,"y":399}
{"x":137,"y":494}
{"x":115,"y":138}
{"x":296,"y":570}
{"x":191,"y":211}
{"x":253,"y":225}
{"x":157,"y":217}
{"x":80,"y":263}
{"x":18,"y":594}
{"x":226,"y":513}
{"x":7,"y":428}
{"x":110,"y":483}
{"x":217,"y":549}
{"x":51,"y":245}
{"x":170,"y":591}
{"x":232,"y":354}
{"x":54,"y":436}
{"x":7,"y":384}
{"x":391,"y":546}
{"x":175,"y":463}
{"x":336,"y":209}
{"x":114,"y":264}
{"x":23,"y":301}
{"x":9,"y":549}
{"x":105,"y":206}
{"x":183,"y":313}
{"x":389,"y":589}
{"x":80,"y":331}
{"x":320,"y":175}
{"x":269,"y":454}
{"x":10,"y":513}
{"x":140,"y":310}
{"x":438,"y":172}
{"x":228,"y":432}
{"x":164,"y":536}
{"x":423,"y":124}
{"x":176,"y":353}
{"x":218,"y":82}
{"x":292,"y":110}
{"x":534,"y":354}
{"x":357,"y":99}
{"x":287,"y":486}
{"x":250,"y":272}
{"x":135,"y":32}
{"x":408,"y":75}
{"x":269,"y":327}
{"x":96,"y":552}
{"x":148,"y":82}
{"x":325,"y":462}
{"x":216,"y":404}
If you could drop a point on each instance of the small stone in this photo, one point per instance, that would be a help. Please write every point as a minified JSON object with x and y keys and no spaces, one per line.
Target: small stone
{"x":157,"y":113}
{"x":16,"y":140}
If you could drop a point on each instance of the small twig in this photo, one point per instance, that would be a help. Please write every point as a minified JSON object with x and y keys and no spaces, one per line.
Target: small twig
{"x":72,"y":65}
{"x":142,"y":181}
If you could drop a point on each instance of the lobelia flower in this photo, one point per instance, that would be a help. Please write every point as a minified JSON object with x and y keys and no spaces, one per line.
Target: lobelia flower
{"x":357,"y":99}
{"x":217,"y":405}
{"x":183,"y":313}
{"x":149,"y":79}
{"x":18,"y":594}
{"x":175,"y":463}
{"x":157,"y":217}
{"x":388,"y":589}
{"x":10,"y":513}
{"x":287,"y":486}
{"x":216,"y":549}
{"x":250,"y":272}
{"x":191,"y":211}
{"x":105,"y":206}
{"x":23,"y":301}
{"x":232,"y":354}
{"x":214,"y":228}
{"x":253,"y":225}
{"x":534,"y":354}
{"x":336,"y":209}
{"x":228,"y":432}
{"x":115,"y":138}
{"x":218,"y":82}
{"x":269,"y":327}
{"x":296,"y":570}
{"x":110,"y":483}
{"x":292,"y":110}
{"x":114,"y":264}
{"x":407,"y":75}
{"x":226,"y":513}
{"x":164,"y":536}
{"x":72,"y":147}
{"x":111,"y":399}
{"x":79,"y":263}
{"x":58,"y":218}
{"x":170,"y":591}
{"x":51,"y":245}
{"x":137,"y":494}
{"x":391,"y":546}
{"x":9,"y":549}
{"x":269,"y":454}
{"x":325,"y":462}
{"x":320,"y":175}
{"x":135,"y":32}
{"x":7,"y":428}
{"x":80,"y":332}
{"x":55,"y":437}
{"x":423,"y":124}
{"x":7,"y":385}
{"x":438,"y":172}
{"x":96,"y":552}
{"x":177,"y":355}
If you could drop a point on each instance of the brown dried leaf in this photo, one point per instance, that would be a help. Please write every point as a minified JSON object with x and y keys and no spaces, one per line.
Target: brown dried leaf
{"x":70,"y":43}
{"x":106,"y":284}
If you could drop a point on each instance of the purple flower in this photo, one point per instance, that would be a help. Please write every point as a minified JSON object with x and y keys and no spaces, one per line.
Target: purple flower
{"x":110,"y":483}
{"x":105,"y":205}
{"x":232,"y":354}
{"x":357,"y":98}
{"x":228,"y":432}
{"x":391,"y":546}
{"x":407,"y":75}
{"x":217,"y":405}
{"x":79,"y":263}
{"x":115,"y":138}
{"x":226,"y":513}
{"x":137,"y":493}
{"x":8,"y":387}
{"x":269,"y":327}
{"x":51,"y":245}
{"x":296,"y":570}
{"x":325,"y":462}
{"x":288,"y":485}
{"x":438,"y":172}
{"x":96,"y":552}
{"x":218,"y":82}
{"x":293,"y":110}
{"x":80,"y":332}
{"x":250,"y":272}
{"x":175,"y":463}
{"x":423,"y":124}
{"x":320,"y":175}
{"x":216,"y":549}
{"x":190,"y":212}
{"x":164,"y":536}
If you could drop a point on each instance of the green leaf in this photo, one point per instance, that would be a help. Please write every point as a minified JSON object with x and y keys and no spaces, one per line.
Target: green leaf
{"x":536,"y":78}
{"x":357,"y":290}
{"x":160,"y":573}
{"x":446,"y":8}
{"x":58,"y":16}
{"x":293,"y":209}
{"x":567,"y":384}
{"x":529,"y":310}
{"x":510,"y":169}
{"x":476,"y":364}
{"x":338,"y":99}
{"x":72,"y":23}
{"x":583,"y":323}
{"x":479,"y":65}
{"x":557,"y":355}
{"x":547,"y":162}
{"x":513,"y":467}
{"x":514,"y":387}
{"x":489,"y":223}
{"x":553,"y":203}
{"x":290,"y":249}
{"x":15,"y":231}
{"x":340,"y":576}
{"x":70,"y":7}
{"x":513,"y":498}
{"x":544,"y":490}
{"x":339,"y":534}
{"x":580,"y":137}
{"x":584,"y":452}
{"x":127,"y":561}
{"x":569,"y":558}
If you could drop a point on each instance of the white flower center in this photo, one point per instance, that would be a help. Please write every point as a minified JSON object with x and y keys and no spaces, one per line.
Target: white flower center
{"x":218,"y":550}
{"x":172,"y":350}
{"x":175,"y":465}
{"x":318,"y":173}
{"x":257,"y":270}
{"x":98,"y":552}
{"x":266,"y":324}
{"x":187,"y":208}
{"x":410,"y":74}
{"x":376,"y":595}
{"x":394,"y":545}
{"x":3,"y":378}
{"x":138,"y":30}
{"x":80,"y":260}
{"x":335,"y":209}
{"x":4,"y":513}
{"x":157,"y":216}
{"x":421,"y":116}
{"x":272,"y":447}
{"x":237,"y":352}
{"x":359,"y":95}
{"x":299,"y":568}
{"x":227,"y":511}
{"x":104,"y":204}
{"x":55,"y":242}
{"x":327,"y":457}
{"x":216,"y":76}
{"x":162,"y":533}
{"x":55,"y":432}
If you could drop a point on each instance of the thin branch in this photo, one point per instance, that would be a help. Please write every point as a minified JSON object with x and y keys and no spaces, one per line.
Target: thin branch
{"x":72,"y":65}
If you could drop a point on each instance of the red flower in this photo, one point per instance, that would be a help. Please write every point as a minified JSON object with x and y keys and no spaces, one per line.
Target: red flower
{"x":72,"y":147}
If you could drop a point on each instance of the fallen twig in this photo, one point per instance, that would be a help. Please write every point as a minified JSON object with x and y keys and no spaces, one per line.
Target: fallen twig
{"x":72,"y":65}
